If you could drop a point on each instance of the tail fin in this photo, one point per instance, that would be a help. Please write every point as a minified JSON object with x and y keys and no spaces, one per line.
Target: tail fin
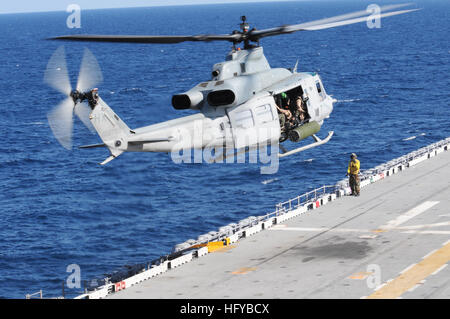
{"x":111,"y":129}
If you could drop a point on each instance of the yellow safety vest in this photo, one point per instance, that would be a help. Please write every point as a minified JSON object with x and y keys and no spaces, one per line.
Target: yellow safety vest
{"x":353,"y":167}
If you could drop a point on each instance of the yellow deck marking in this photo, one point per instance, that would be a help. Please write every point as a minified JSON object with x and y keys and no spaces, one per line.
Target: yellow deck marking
{"x":378,"y":231}
{"x":360,"y":275}
{"x":214,"y":246}
{"x":224,"y":249}
{"x":414,"y":275}
{"x":243,"y":270}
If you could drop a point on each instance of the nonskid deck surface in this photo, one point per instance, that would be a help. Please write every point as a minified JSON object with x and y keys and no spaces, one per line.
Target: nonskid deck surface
{"x":391,"y":242}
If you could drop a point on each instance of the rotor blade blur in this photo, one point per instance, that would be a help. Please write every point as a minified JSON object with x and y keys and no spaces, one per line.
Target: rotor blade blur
{"x":163,"y":39}
{"x":357,"y":20}
{"x":90,"y":73}
{"x":61,"y":122}
{"x":329,"y":22}
{"x":56,"y":74}
{"x":348,"y":16}
{"x":82,"y":110}
{"x":253,"y":35}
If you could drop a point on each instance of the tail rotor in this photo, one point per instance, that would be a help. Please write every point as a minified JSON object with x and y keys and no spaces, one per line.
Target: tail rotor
{"x":90,"y":74}
{"x":61,"y":122}
{"x":56,"y":76}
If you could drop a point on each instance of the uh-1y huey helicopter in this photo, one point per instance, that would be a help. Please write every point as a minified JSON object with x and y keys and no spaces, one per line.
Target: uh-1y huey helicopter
{"x":244,"y":98}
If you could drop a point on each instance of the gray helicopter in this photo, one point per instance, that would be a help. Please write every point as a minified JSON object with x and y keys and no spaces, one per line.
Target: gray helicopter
{"x":244,"y":106}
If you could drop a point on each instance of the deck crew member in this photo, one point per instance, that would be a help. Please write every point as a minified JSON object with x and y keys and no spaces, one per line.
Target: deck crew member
{"x":353,"y":173}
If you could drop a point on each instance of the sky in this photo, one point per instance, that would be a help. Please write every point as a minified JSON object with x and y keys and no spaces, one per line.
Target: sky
{"x":17,"y":6}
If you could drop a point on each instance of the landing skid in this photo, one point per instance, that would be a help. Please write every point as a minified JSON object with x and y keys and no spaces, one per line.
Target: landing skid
{"x":317,"y":142}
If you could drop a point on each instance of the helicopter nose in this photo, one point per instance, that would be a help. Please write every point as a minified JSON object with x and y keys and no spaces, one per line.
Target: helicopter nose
{"x":333,"y":100}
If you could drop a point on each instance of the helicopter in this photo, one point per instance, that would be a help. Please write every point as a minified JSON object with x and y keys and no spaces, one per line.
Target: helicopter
{"x":244,"y":106}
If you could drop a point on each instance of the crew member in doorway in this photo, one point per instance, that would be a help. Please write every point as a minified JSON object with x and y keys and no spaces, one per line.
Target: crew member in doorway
{"x":285,"y":101}
{"x":353,"y":173}
{"x":298,"y":110}
{"x":287,"y":120}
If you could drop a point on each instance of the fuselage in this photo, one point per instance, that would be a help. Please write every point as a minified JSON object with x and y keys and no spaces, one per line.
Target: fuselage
{"x":237,"y":107}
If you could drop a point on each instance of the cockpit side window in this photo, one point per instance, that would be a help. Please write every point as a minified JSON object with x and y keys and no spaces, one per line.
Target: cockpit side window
{"x":320,"y":90}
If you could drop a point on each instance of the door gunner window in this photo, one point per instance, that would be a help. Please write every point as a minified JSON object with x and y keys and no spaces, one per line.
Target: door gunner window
{"x":264,"y":113}
{"x":244,"y":119}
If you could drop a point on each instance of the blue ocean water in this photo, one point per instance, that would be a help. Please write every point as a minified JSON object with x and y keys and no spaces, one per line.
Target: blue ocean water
{"x":59,"y":207}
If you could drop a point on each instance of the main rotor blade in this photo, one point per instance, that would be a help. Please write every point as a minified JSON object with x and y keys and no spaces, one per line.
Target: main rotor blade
{"x":349,"y":16}
{"x":56,"y":74}
{"x":61,"y":123}
{"x":90,"y":73}
{"x":164,"y":39}
{"x":254,"y":35}
{"x":352,"y":21}
{"x":82,"y":110}
{"x":336,"y":21}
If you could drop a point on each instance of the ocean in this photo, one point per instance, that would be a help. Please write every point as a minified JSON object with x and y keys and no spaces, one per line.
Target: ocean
{"x":60,"y":208}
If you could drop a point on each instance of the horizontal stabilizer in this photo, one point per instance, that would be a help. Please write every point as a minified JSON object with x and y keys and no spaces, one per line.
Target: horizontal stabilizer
{"x":92,"y":146}
{"x":152,"y":140}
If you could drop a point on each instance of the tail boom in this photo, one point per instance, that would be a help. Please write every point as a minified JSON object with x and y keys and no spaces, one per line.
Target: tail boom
{"x":111,"y":129}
